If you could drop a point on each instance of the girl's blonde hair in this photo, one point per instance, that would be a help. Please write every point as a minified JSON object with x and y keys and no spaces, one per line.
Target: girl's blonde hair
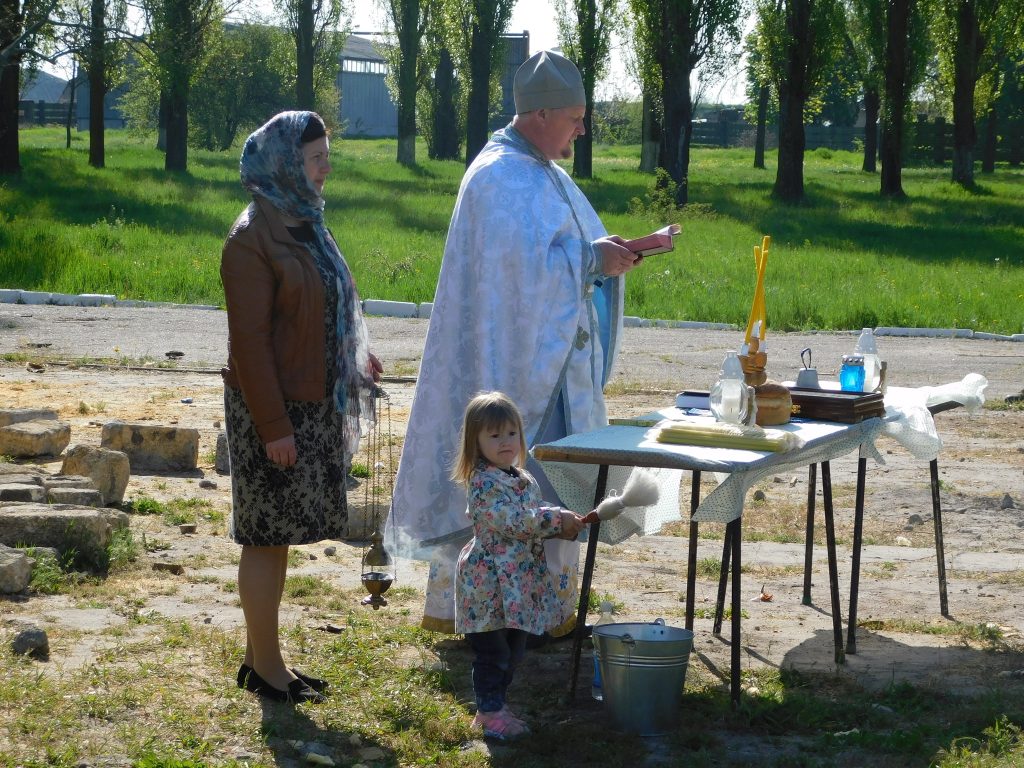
{"x":488,"y":410}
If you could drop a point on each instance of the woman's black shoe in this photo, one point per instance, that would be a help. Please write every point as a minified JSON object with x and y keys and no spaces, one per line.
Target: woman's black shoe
{"x":318,"y":685}
{"x":297,"y":692}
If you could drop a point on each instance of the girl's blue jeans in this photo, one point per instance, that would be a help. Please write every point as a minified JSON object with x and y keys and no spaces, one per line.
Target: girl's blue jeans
{"x":498,"y":653}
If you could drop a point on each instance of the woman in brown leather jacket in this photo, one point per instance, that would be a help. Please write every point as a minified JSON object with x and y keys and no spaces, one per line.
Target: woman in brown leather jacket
{"x":298,"y":381}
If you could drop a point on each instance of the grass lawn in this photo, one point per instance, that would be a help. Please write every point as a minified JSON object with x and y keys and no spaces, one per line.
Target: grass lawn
{"x":945,"y":257}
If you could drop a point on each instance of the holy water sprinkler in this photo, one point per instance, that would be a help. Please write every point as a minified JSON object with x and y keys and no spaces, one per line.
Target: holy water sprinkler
{"x":641,"y":491}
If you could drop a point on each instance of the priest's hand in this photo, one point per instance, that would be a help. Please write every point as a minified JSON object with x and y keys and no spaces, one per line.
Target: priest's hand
{"x":615,"y":258}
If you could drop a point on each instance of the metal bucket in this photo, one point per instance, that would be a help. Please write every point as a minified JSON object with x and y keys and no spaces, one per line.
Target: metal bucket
{"x":643,"y":668}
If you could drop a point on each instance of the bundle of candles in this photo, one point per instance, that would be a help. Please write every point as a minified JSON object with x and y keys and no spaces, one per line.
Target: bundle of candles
{"x":753,"y":355}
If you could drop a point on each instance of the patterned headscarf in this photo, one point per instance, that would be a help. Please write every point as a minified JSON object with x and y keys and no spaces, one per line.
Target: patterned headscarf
{"x":272,"y":167}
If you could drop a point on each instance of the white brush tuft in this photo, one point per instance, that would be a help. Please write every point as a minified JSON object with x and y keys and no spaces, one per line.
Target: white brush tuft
{"x":641,"y":491}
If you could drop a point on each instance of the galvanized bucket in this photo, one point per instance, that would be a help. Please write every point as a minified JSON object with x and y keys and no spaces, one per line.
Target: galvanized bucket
{"x":643,"y":668}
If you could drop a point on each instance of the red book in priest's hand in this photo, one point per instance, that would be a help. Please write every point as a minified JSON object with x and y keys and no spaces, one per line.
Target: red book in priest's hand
{"x":656,"y":242}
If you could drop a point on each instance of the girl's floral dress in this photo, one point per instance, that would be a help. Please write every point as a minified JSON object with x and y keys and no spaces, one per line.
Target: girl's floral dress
{"x":502,"y":577}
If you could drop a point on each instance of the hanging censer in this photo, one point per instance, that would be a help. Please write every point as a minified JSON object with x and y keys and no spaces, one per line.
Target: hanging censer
{"x":378,"y":571}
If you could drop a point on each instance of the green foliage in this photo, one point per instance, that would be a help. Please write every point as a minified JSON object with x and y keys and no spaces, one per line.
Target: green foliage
{"x":122,"y":549}
{"x":945,"y":258}
{"x":144,"y":505}
{"x":249,"y":74}
{"x":49,"y":577}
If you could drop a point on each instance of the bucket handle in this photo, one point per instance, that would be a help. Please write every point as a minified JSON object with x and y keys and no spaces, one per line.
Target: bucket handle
{"x":627,"y":639}
{"x":659,"y":621}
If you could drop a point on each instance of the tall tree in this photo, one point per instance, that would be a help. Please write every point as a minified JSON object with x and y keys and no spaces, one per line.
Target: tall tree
{"x":904,"y":60}
{"x":481,"y":23}
{"x":104,"y":50}
{"x":440,"y":101}
{"x":409,"y":19}
{"x":762,"y":100}
{"x":674,"y":37}
{"x":22,"y":26}
{"x":249,"y":74}
{"x":178,"y":31}
{"x":315,"y":26}
{"x":584,"y":30}
{"x":966,"y":29}
{"x":864,"y":42}
{"x":798,"y":44}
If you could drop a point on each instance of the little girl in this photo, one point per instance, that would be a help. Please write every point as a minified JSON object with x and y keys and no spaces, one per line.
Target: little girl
{"x":503,"y":592}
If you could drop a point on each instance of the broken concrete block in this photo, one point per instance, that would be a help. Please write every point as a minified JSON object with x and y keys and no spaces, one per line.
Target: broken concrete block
{"x":15,"y":570}
{"x":61,"y":526}
{"x":83,"y":497}
{"x":109,"y":470}
{"x":151,"y":446}
{"x":41,"y":437}
{"x":10,"y":416}
{"x":22,"y":492}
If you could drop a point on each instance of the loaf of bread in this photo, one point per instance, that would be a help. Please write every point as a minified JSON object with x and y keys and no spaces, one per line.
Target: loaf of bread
{"x":774,"y":404}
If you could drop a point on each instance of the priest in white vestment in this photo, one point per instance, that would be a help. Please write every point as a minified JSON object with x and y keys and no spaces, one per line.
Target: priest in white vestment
{"x":529,"y":302}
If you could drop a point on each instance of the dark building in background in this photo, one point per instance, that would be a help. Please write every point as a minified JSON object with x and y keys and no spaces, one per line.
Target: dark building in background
{"x":366,"y":107}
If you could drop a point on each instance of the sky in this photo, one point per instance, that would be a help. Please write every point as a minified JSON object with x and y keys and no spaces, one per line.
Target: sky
{"x":536,"y":16}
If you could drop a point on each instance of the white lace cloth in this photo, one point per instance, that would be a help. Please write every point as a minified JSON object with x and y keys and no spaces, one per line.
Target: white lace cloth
{"x":906,"y":420}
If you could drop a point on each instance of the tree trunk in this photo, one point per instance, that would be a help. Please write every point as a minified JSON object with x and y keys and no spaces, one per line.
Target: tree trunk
{"x":988,"y":153}
{"x":965,"y":65}
{"x":409,"y":43}
{"x":10,"y":74}
{"x":872,"y":102}
{"x":10,"y":154}
{"x":896,"y":97}
{"x":650,"y":139}
{"x":304,"y":98}
{"x":97,"y":82}
{"x":793,"y":92}
{"x":583,"y":147}
{"x":161,"y":121}
{"x":176,"y":158}
{"x":479,"y":101}
{"x":789,"y":174}
{"x":1015,"y":139}
{"x":445,"y":118}
{"x":677,"y":121}
{"x":763,"y":95}
{"x":73,"y":88}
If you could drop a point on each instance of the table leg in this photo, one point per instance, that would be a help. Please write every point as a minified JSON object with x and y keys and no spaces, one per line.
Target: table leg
{"x":588,"y":574}
{"x":723,"y":577}
{"x":858,"y":539}
{"x":691,"y":556}
{"x":736,"y":536}
{"x":833,"y":569}
{"x":940,"y":548}
{"x":812,"y":474}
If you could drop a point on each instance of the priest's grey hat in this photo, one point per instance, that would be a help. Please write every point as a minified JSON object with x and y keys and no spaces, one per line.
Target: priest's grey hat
{"x":547,"y":80}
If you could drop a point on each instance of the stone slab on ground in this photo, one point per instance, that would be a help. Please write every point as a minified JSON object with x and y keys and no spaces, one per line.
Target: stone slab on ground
{"x":61,"y":526}
{"x":39,"y":437}
{"x":153,"y":446}
{"x":109,"y":470}
{"x":10,"y":416}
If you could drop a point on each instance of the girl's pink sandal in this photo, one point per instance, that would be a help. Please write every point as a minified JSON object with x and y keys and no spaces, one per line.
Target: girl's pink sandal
{"x":500,"y":725}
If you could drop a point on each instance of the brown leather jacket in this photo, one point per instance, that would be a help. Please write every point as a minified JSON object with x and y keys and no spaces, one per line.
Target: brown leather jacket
{"x":275,"y":302}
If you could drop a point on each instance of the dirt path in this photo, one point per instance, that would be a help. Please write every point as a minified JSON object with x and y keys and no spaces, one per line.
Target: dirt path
{"x":982,"y":462}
